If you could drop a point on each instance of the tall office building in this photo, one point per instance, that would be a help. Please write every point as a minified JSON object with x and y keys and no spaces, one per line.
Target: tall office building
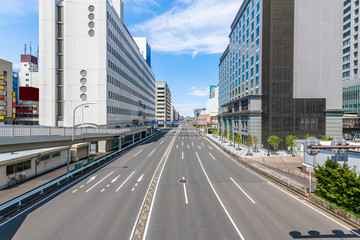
{"x":88,"y":56}
{"x":28,"y":74}
{"x":163,"y":103}
{"x":280,"y":74}
{"x":350,"y":62}
{"x":7,"y":97}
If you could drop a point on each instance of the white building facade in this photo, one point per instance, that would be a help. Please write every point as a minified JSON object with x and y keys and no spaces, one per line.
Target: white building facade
{"x":212,"y":105}
{"x":28,"y":74}
{"x":90,"y":57}
{"x":163,"y":103}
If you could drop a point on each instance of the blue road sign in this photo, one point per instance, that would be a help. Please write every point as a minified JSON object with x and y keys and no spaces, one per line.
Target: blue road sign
{"x":170,"y":122}
{"x":164,"y":123}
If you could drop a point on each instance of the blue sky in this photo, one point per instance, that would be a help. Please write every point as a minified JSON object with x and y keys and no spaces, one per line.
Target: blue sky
{"x":187,"y":37}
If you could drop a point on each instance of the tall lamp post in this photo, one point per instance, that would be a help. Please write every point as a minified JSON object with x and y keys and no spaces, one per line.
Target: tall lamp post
{"x":73,"y":133}
{"x":268,"y":147}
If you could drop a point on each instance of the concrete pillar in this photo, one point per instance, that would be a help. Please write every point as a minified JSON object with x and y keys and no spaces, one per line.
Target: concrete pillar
{"x":102,"y":146}
{"x":133,"y":138}
{"x":120,"y":143}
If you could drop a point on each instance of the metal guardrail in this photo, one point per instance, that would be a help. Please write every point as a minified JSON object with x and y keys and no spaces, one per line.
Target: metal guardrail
{"x":33,"y":131}
{"x":40,"y":190}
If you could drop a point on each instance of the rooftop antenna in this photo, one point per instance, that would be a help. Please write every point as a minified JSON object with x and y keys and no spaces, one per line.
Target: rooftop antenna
{"x":30,"y":47}
{"x":25,"y":48}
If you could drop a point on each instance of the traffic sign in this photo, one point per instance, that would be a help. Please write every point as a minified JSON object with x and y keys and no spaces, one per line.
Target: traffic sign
{"x":309,"y":169}
{"x":164,"y":123}
{"x":171,"y":123}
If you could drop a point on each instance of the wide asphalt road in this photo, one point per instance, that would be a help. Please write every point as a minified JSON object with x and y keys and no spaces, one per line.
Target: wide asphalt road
{"x":219,"y":200}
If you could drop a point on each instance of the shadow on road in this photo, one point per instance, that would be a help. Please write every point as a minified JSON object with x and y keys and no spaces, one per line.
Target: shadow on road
{"x":338,"y":234}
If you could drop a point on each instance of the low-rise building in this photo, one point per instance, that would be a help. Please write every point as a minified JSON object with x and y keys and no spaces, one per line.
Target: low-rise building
{"x":7,"y":97}
{"x":27,"y":111}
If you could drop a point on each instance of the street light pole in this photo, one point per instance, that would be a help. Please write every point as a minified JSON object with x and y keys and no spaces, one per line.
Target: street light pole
{"x":73,"y":134}
{"x":268,"y":148}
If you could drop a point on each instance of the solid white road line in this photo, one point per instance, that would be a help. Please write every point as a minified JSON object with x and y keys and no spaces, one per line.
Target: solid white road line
{"x":186,"y":198}
{"x":151,"y":152}
{"x":217,"y":196}
{"x":242,"y":190}
{"x":99,"y":181}
{"x":114,"y":180}
{"x":125,"y":181}
{"x":140,"y":178}
{"x":299,"y":200}
{"x":212,"y":156}
{"x":182,"y":155}
{"x":138,"y":153}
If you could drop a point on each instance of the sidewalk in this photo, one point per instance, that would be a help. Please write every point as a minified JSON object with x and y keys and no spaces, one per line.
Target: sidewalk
{"x":19,"y":189}
{"x":283,"y":164}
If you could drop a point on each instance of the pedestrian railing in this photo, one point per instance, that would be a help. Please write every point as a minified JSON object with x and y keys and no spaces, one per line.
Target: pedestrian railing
{"x":29,"y":196}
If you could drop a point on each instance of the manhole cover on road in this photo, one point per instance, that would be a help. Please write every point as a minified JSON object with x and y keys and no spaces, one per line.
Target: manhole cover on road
{"x":182,"y":181}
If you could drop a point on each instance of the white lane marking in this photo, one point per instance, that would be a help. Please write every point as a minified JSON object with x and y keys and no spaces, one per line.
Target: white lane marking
{"x":74,"y":191}
{"x":212,"y":156}
{"x":161,"y":142}
{"x":182,"y":155}
{"x":242,"y":190}
{"x":151,"y":152}
{"x":186,"y":198}
{"x":125,"y":181}
{"x":299,"y":200}
{"x":132,"y":189}
{"x":185,"y":137}
{"x":114,"y":180}
{"x":183,"y":143}
{"x":198,"y":146}
{"x":82,"y":186}
{"x":140,"y":178}
{"x":91,"y":179}
{"x":138,"y":153}
{"x":217,"y":196}
{"x":210,"y":147}
{"x":108,"y":185}
{"x":103,"y":190}
{"x":99,"y":181}
{"x":203,"y":144}
{"x":136,"y":184}
{"x":177,"y":146}
{"x":188,"y":146}
{"x":192,"y":143}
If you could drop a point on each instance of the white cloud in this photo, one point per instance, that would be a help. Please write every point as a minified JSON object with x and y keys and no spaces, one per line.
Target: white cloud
{"x":191,"y":27}
{"x":199,"y":92}
{"x":18,"y":7}
{"x":186,"y":109}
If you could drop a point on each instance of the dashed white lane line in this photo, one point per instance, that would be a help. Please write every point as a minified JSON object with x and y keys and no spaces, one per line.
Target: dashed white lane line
{"x":103,"y":190}
{"x":114,"y":180}
{"x":99,"y":181}
{"x":125,"y":181}
{"x":138,"y":153}
{"x":108,"y":185}
{"x":151,"y":152}
{"x":132,"y":189}
{"x":210,"y":147}
{"x":186,"y":198}
{"x":242,"y":190}
{"x":82,"y":186}
{"x":74,"y":191}
{"x":183,"y":143}
{"x":192,"y":143}
{"x":161,"y":142}
{"x":203,"y":144}
{"x":198,"y":147}
{"x":91,"y":179}
{"x":217,"y":196}
{"x":177,"y":146}
{"x":301,"y":201}
{"x":182,"y":155}
{"x":188,"y":146}
{"x":212,"y":156}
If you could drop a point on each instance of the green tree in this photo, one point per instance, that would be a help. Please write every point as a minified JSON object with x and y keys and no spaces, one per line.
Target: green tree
{"x":214,"y":130}
{"x":225,"y":134}
{"x":274,"y":141}
{"x":256,"y":141}
{"x":231,"y":137}
{"x":291,"y":141}
{"x":308,"y":136}
{"x":326,"y":138}
{"x":219,"y":132}
{"x":238,"y":139}
{"x":249,"y":143}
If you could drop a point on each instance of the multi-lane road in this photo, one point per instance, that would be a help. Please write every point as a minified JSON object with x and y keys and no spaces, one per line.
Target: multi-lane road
{"x":201,"y":194}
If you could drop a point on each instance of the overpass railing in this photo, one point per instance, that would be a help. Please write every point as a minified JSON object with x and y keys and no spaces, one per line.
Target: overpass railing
{"x":33,"y":131}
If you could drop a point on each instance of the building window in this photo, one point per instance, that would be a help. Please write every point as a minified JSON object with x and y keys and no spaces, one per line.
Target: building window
{"x":44,"y":158}
{"x":18,"y":167}
{"x":54,"y":155}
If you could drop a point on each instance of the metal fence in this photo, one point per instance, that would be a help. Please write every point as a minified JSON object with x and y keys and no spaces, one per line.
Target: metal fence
{"x":33,"y":131}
